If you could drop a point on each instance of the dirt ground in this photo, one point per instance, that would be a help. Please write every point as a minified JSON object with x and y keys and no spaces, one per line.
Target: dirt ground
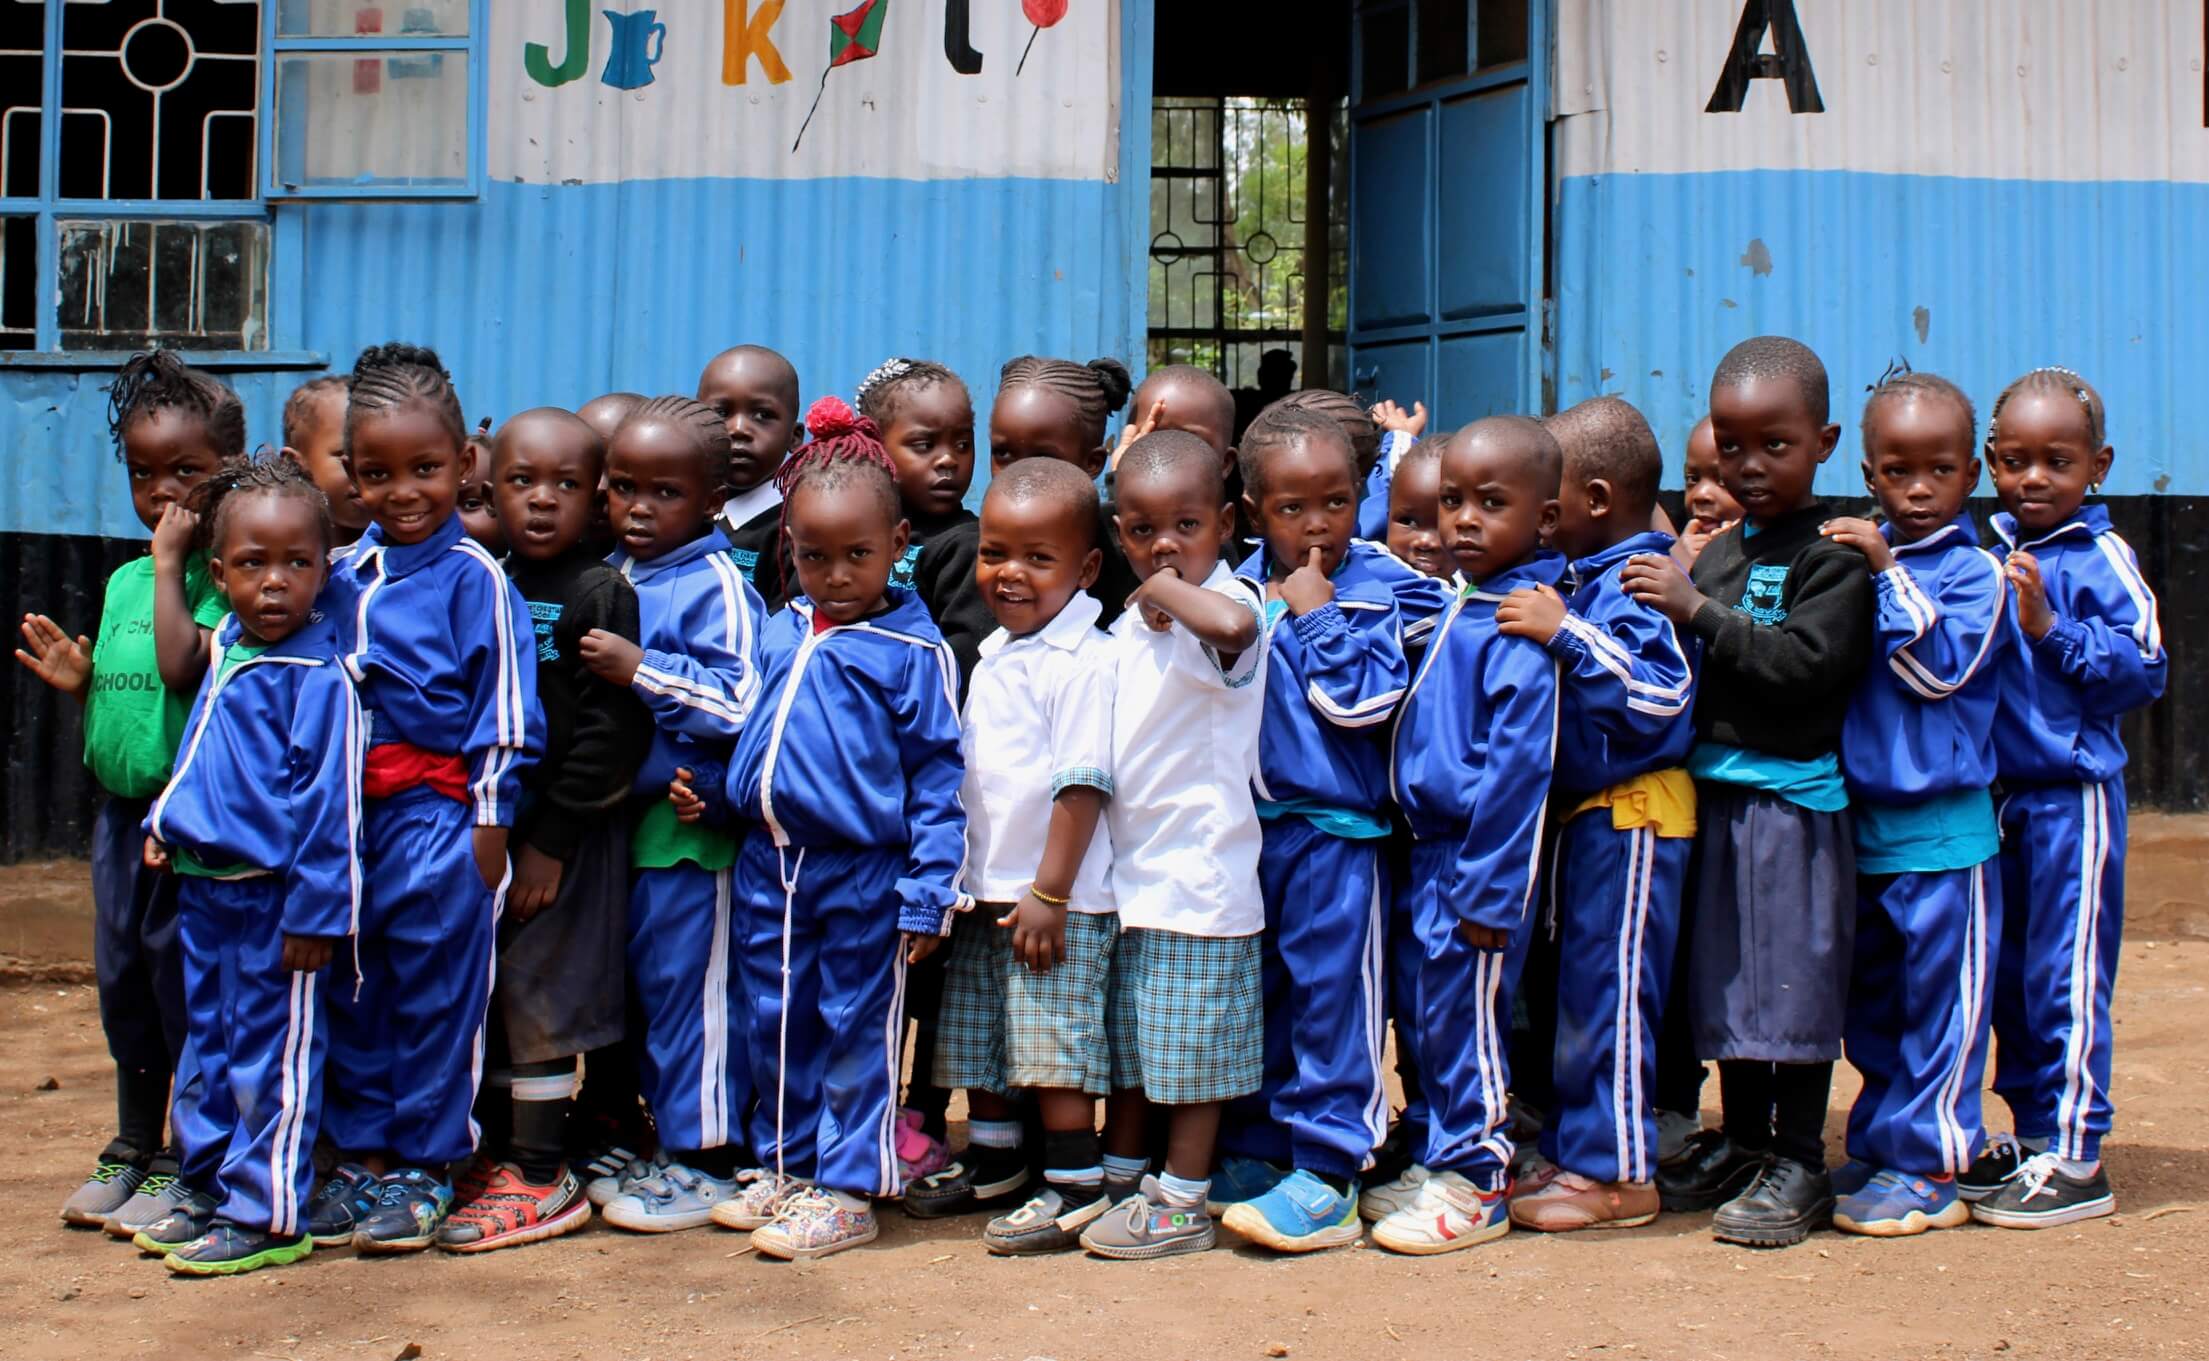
{"x":2129,"y":1286}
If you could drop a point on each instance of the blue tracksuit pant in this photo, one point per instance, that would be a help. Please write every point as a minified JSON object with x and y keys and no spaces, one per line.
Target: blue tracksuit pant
{"x":1321,"y":1106}
{"x":406,"y":1042}
{"x":1460,"y":1016}
{"x":682,"y":946}
{"x":1618,"y":912}
{"x":1400,"y":953}
{"x":1917,"y":1017}
{"x":824,"y":972}
{"x":249,"y":1097}
{"x":2063,"y":896}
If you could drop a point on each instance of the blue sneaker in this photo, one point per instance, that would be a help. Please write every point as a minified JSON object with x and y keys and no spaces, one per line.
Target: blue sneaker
{"x":411,"y":1206}
{"x":1300,"y":1214}
{"x":674,"y":1198}
{"x":1240,"y":1179}
{"x":1895,"y":1205}
{"x":1849,"y":1177}
{"x":342,"y":1203}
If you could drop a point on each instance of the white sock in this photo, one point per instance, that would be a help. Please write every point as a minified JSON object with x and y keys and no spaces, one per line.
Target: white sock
{"x":2078,"y":1171}
{"x":1182,"y":1194}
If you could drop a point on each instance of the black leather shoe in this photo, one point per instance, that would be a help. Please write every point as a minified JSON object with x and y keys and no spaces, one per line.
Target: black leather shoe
{"x":1711,"y":1170}
{"x":1786,"y":1201}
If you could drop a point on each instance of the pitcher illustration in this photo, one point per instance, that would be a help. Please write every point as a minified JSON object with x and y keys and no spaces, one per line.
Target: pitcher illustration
{"x":638,"y":40}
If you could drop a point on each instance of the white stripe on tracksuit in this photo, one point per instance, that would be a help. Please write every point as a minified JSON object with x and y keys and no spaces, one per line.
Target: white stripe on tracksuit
{"x":2078,"y":1074}
{"x":283,"y":1155}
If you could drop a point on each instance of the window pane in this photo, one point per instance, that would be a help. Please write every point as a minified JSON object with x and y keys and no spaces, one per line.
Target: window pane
{"x":1384,"y":45}
{"x":1442,"y":39}
{"x":158,"y":99}
{"x":18,"y":283}
{"x":392,"y":119}
{"x":22,"y":37}
{"x":1502,"y":32}
{"x":348,"y":18}
{"x":193,"y":285}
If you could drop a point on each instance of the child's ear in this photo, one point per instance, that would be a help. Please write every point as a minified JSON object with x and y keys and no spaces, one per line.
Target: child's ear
{"x":1869,"y":489}
{"x":899,"y":537}
{"x":1828,"y":439}
{"x":1971,"y":475}
{"x":1597,"y":493}
{"x":1093,"y":462}
{"x":215,"y":575}
{"x":1546,"y":524}
{"x":2100,"y":466}
{"x":1091,"y":565}
{"x":298,"y":459}
{"x":717,"y":496}
{"x":1250,"y":508}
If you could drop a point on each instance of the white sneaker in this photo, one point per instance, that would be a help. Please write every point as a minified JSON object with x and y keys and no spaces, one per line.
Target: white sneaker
{"x":1450,"y":1213}
{"x":760,"y":1196}
{"x":625,"y":1168}
{"x":674,"y":1198}
{"x":816,"y":1223}
{"x":1376,"y":1203}
{"x":1674,"y":1129}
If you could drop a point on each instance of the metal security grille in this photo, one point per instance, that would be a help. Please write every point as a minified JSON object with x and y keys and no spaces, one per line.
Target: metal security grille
{"x":158,"y":99}
{"x":1228,"y":224}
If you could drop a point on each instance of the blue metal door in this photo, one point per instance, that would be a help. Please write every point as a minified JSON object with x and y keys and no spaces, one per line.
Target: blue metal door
{"x":1448,"y":177}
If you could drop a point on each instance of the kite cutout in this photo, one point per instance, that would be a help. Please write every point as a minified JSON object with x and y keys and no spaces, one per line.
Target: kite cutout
{"x":1043,"y":14}
{"x":854,"y":35}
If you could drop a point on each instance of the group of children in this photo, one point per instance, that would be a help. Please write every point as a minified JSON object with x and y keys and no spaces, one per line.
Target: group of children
{"x":577,"y":815}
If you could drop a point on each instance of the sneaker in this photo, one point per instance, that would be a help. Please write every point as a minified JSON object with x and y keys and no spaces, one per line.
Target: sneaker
{"x":1569,"y":1201}
{"x":676,"y":1197}
{"x":1051,"y":1221}
{"x":1674,"y":1129}
{"x":511,"y":1210}
{"x":190,"y":1220}
{"x":1376,"y":1203}
{"x":411,"y":1206}
{"x":760,"y":1196}
{"x":816,"y":1223}
{"x":156,"y":1199}
{"x":1997,"y":1164}
{"x":978,"y":1179}
{"x":610,"y":1172}
{"x":1782,"y":1204}
{"x":1238,"y":1180}
{"x":107,"y":1190}
{"x":228,"y":1249}
{"x":919,"y":1154}
{"x":1711,"y":1170}
{"x":1531,"y":1171}
{"x":1893,"y":1204}
{"x":1144,"y":1226}
{"x":1449,"y":1213}
{"x":1851,"y":1177}
{"x":1300,"y":1214}
{"x":472,"y":1176}
{"x":339,"y":1208}
{"x":2041,"y":1196}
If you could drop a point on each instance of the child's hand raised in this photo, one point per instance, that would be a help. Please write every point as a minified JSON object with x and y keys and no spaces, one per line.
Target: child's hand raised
{"x":2033,"y":614}
{"x":1694,"y":539}
{"x":918,"y":947}
{"x":1863,"y":536}
{"x":1389,"y":416}
{"x":611,"y":657}
{"x":1038,"y":933}
{"x":307,"y":954}
{"x":1307,"y":588}
{"x":1135,"y":430}
{"x":54,"y":657}
{"x":1146,"y":593}
{"x":1656,"y":580}
{"x":172,"y":539}
{"x":536,"y":882}
{"x":1535,"y":612}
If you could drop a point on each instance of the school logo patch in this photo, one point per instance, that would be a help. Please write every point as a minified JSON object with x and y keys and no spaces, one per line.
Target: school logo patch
{"x":902,"y":573}
{"x":543,"y":615}
{"x":1762,"y":601}
{"x":745,"y":559}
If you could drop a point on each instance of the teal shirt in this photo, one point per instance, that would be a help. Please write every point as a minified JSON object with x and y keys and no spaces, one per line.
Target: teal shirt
{"x":1815,"y":784}
{"x":1946,"y":832}
{"x":1343,"y":822}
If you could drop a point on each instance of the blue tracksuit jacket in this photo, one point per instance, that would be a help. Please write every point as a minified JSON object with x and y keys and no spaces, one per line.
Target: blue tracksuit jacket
{"x":700,"y":675}
{"x":1628,"y":687}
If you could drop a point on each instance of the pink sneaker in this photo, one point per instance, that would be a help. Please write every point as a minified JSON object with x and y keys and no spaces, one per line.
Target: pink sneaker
{"x":918,"y":1155}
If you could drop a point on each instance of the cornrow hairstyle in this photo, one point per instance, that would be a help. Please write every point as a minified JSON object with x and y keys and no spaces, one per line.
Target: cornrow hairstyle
{"x":1778,"y":357}
{"x":1281,"y":427}
{"x":1163,"y":452}
{"x":1055,"y":481}
{"x":1900,"y":383}
{"x":1097,"y":388}
{"x":1608,"y":438}
{"x":1345,"y":411}
{"x":2052,"y":378}
{"x":299,"y":407}
{"x":845,"y":451}
{"x":395,"y":375}
{"x":881,"y":391}
{"x":688,"y":416}
{"x":240,"y":478}
{"x":156,"y":380}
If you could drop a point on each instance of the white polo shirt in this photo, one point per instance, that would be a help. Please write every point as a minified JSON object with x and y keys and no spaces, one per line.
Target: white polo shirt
{"x":1184,"y":746}
{"x":1038,"y":719}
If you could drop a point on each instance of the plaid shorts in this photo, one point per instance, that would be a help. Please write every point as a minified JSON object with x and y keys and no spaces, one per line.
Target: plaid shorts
{"x":1186,"y":1016}
{"x":1004,"y":1026}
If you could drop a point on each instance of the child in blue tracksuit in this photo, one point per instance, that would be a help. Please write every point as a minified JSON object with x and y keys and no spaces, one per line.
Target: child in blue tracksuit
{"x":262,"y":825}
{"x":1917,"y":749}
{"x":697,"y":673}
{"x":1471,"y":768}
{"x":439,"y":643}
{"x":1335,"y":674}
{"x":1627,"y":807}
{"x":851,"y":773}
{"x":2088,"y":649}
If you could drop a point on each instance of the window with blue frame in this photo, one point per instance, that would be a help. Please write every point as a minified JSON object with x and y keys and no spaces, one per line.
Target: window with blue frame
{"x":148,"y":149}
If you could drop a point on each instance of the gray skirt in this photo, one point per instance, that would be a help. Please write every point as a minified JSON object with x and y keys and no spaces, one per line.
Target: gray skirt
{"x":563,"y":974}
{"x":1771,"y":926}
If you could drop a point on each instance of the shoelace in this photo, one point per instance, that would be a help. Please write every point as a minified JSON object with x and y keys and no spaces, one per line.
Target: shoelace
{"x":394,"y":1192}
{"x":2036,"y":1172}
{"x":104,"y":1173}
{"x":2003,"y":1145}
{"x":156,"y":1184}
{"x":804,"y":1201}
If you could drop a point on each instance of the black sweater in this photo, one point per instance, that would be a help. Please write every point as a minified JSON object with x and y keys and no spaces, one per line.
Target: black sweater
{"x":1786,"y":635}
{"x":757,"y":549}
{"x":939,"y":566}
{"x":595,"y":733}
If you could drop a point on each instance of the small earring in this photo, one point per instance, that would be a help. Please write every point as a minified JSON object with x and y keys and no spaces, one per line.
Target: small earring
{"x":2094,"y":488}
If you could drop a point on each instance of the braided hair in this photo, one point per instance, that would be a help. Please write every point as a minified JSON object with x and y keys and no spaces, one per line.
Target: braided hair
{"x":845,"y":451}
{"x":692,"y":419}
{"x":881,"y":391}
{"x":1096,"y":389}
{"x":241,"y":477}
{"x":156,"y":380}
{"x":2052,"y":378}
{"x":395,"y":375}
{"x":299,"y":407}
{"x":1345,"y":411}
{"x":1901,"y":383}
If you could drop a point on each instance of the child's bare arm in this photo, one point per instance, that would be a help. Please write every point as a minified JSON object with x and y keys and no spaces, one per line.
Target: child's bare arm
{"x":1217,"y":621}
{"x":179,"y":643}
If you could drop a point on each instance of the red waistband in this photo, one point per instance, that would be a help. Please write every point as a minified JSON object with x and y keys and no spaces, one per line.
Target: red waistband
{"x":395,"y":767}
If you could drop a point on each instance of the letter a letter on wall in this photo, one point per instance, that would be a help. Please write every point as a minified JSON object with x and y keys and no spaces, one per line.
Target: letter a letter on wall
{"x":744,"y":37}
{"x":1788,"y":62}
